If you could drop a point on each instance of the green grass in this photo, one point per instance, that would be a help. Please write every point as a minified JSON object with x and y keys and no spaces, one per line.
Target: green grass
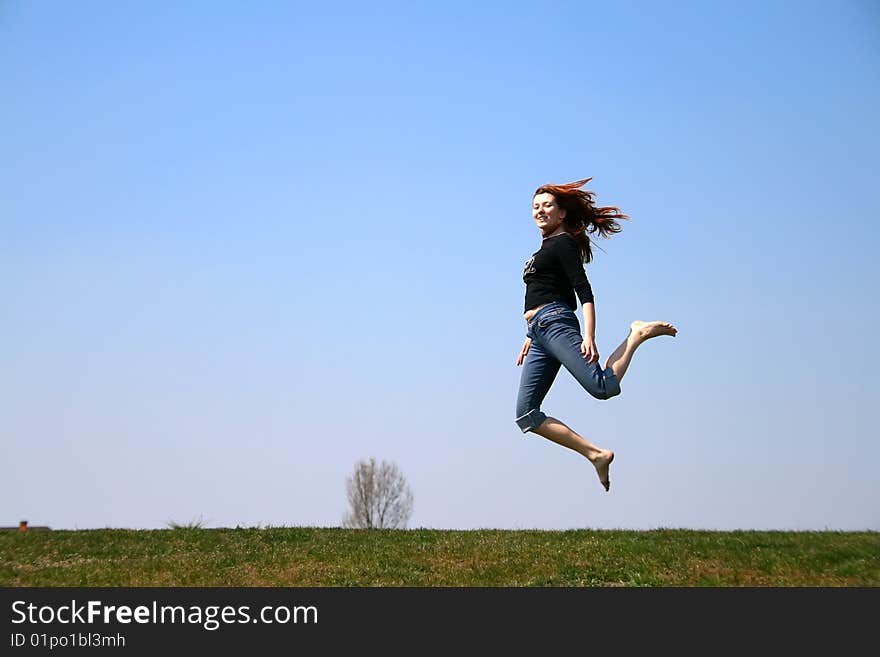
{"x":304,"y":556}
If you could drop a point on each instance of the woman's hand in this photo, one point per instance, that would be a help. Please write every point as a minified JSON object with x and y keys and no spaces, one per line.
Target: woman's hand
{"x":589,"y":350}
{"x":524,"y":351}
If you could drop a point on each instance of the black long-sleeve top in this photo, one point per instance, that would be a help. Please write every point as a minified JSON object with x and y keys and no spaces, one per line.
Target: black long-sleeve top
{"x":555,"y":272}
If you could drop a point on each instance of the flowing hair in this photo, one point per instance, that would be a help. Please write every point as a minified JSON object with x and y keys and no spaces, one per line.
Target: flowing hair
{"x":581,"y":214}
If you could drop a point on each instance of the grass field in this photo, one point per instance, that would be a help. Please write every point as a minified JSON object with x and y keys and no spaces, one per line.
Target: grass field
{"x":303,"y":556}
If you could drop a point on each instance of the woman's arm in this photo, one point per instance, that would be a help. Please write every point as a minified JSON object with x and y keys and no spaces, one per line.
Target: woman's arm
{"x":571,"y":259}
{"x":588,"y":346}
{"x":589,"y":309}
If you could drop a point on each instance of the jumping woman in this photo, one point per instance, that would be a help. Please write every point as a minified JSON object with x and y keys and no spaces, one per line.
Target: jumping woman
{"x":565,"y":215}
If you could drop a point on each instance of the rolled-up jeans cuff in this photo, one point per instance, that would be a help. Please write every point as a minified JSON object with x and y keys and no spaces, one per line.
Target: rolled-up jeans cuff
{"x":612,"y":383}
{"x":531,"y":420}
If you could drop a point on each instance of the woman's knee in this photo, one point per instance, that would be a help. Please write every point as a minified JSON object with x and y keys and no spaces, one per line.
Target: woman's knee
{"x":604,"y":394}
{"x":601,"y":384}
{"x":610,"y":387}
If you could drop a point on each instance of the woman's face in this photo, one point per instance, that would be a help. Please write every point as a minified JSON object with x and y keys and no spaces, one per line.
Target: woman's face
{"x":548,"y":215}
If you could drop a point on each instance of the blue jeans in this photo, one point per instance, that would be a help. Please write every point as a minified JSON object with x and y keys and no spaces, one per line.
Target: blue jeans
{"x":556,"y":340}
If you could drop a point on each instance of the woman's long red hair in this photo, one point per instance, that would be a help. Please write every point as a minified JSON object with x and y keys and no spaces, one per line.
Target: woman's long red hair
{"x":581,"y":214}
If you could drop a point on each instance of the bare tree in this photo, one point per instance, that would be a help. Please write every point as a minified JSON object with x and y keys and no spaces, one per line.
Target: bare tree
{"x":378,"y":495}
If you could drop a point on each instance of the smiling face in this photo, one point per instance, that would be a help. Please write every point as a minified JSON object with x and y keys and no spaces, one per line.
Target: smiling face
{"x":548,"y":215}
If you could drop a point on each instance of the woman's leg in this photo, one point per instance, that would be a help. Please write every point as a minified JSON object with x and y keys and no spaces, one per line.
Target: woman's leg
{"x":638,"y":332}
{"x":554,"y":430}
{"x":562,"y":338}
{"x":539,"y":371}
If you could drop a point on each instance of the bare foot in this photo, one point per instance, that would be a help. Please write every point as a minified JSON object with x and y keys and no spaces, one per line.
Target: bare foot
{"x":641,"y":331}
{"x":601,"y":464}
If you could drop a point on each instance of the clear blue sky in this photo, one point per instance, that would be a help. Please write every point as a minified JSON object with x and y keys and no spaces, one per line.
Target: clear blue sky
{"x":246,"y":244}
